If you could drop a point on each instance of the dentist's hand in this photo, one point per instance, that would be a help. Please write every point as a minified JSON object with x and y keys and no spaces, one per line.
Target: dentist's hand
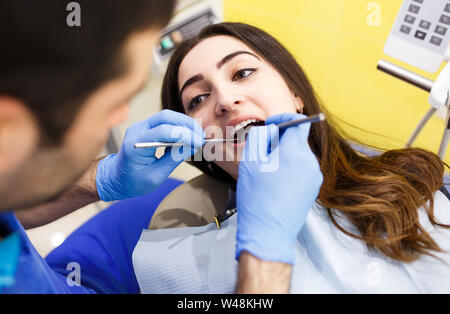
{"x":275,"y":195}
{"x":134,"y":172}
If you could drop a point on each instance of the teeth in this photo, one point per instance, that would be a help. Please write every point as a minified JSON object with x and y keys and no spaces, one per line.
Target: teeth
{"x":241,"y":125}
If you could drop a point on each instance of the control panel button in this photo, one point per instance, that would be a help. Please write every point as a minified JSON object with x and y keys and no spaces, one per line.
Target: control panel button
{"x":445,"y":19}
{"x":414,"y":8}
{"x":177,"y":37}
{"x":436,"y":40}
{"x":405,"y":29}
{"x":441,"y":30}
{"x":447,"y":8}
{"x":425,"y":24}
{"x":420,"y":35}
{"x":167,"y":43}
{"x":410,"y":19}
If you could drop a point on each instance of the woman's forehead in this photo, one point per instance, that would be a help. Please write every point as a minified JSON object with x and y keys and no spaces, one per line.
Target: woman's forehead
{"x":207,"y":53}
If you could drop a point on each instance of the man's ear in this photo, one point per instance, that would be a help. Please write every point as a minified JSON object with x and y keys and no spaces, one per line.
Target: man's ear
{"x":19,"y":133}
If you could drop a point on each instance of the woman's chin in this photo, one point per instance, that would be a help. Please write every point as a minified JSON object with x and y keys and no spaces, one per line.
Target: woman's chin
{"x":233,"y":151}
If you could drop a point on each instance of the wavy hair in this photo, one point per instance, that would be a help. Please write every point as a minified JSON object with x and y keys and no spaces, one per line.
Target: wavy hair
{"x":380,"y":195}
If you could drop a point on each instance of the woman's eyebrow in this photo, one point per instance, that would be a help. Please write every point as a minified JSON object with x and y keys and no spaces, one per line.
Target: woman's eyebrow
{"x":191,"y":81}
{"x":232,"y":55}
{"x":224,"y":60}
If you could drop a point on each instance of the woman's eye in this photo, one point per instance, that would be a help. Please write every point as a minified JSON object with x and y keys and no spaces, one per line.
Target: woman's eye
{"x":196,"y":101}
{"x":243,"y":74}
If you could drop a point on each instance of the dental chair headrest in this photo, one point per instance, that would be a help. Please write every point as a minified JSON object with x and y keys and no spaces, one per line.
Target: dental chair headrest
{"x":192,"y":204}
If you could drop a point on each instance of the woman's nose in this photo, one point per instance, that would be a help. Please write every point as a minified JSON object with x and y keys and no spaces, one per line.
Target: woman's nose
{"x":229,"y":105}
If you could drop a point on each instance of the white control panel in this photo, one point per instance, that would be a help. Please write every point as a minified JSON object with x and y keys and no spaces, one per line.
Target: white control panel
{"x":420,"y":35}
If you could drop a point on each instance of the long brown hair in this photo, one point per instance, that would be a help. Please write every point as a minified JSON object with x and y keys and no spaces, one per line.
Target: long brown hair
{"x":380,"y":195}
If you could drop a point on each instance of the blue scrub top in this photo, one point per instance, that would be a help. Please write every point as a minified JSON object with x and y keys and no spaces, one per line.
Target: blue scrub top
{"x":25,"y":271}
{"x":102,"y":248}
{"x":9,"y":255}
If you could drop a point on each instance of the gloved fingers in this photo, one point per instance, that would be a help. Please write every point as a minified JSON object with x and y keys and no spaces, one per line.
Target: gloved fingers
{"x":171,"y":134}
{"x":173,"y":118}
{"x":295,"y":139}
{"x":284,"y":117}
{"x":259,"y":142}
{"x":180,"y":153}
{"x":170,"y":160}
{"x":291,"y":138}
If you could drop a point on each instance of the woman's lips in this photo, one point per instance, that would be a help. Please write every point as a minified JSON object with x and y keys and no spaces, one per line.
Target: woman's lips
{"x":240,"y":119}
{"x":237,"y":127}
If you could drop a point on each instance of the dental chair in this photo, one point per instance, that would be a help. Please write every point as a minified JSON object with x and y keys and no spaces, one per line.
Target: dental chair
{"x":192,"y":204}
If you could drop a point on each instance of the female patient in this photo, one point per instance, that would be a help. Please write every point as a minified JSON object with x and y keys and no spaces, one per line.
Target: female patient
{"x":379,"y":223}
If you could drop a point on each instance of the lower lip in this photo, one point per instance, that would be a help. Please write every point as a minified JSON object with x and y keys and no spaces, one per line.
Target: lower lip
{"x":235,"y":144}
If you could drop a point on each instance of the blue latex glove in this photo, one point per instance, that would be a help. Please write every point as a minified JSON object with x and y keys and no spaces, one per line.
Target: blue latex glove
{"x":273,"y":202}
{"x":137,"y":171}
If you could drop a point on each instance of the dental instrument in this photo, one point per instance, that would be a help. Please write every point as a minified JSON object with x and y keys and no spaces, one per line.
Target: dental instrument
{"x":312,"y":119}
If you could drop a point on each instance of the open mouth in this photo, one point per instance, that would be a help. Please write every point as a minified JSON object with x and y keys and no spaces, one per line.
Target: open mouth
{"x":240,"y":130}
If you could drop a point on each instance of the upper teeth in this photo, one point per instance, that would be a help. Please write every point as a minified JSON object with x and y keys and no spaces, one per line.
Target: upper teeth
{"x":241,"y":125}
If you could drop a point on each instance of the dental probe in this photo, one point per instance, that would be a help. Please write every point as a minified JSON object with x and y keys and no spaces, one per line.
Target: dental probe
{"x":311,"y":119}
{"x":315,"y":118}
{"x":164,"y":144}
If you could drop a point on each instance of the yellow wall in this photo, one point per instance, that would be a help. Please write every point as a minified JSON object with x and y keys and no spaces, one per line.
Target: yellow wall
{"x":339,"y":50}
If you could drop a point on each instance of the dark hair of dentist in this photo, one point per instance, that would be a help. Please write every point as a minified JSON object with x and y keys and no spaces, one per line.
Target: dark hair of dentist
{"x":380,"y":195}
{"x":41,"y":55}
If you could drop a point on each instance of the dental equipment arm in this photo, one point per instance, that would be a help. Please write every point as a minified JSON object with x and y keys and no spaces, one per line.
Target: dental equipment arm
{"x":439,"y":98}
